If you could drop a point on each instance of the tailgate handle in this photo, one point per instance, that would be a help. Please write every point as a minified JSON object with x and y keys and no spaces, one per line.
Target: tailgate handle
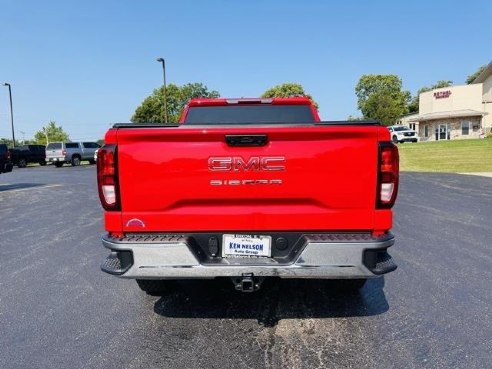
{"x":246,"y":140}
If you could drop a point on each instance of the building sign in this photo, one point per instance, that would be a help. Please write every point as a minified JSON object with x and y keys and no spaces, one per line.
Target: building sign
{"x":442,"y":94}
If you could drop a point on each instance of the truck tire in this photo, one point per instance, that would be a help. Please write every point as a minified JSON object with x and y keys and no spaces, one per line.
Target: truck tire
{"x":22,"y":163}
{"x":92,"y":162}
{"x":58,"y":164}
{"x":75,"y":161}
{"x":395,"y":139}
{"x":42,"y":163}
{"x":155,"y":287}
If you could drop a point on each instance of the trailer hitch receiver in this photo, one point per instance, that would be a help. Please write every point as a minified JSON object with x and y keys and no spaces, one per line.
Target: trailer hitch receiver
{"x":247,"y":282}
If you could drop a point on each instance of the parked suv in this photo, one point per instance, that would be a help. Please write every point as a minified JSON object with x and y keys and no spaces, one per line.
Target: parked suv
{"x":403,"y":134}
{"x":60,"y":153}
{"x":5,"y":163}
{"x":22,"y":155}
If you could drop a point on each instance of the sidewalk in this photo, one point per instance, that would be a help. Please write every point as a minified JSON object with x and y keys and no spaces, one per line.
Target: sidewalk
{"x":483,"y":174}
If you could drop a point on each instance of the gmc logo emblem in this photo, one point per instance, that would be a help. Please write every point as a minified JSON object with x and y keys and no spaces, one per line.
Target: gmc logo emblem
{"x":253,"y":164}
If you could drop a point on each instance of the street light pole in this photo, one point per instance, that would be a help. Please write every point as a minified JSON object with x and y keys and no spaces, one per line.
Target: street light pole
{"x":161,"y":60}
{"x":11,"y":112}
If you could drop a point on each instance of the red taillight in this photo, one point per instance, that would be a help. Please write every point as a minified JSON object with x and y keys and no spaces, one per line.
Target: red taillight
{"x":388,"y":176}
{"x":107,"y":181}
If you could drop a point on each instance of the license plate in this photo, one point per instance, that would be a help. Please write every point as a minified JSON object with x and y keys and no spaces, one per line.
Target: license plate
{"x":246,"y":245}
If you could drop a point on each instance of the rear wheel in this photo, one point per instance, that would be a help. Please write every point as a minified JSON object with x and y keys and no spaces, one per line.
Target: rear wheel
{"x":22,"y":163}
{"x":59,"y":164}
{"x":75,"y":161}
{"x":42,"y":162}
{"x":395,"y":139}
{"x":155,"y":287}
{"x":92,"y":161}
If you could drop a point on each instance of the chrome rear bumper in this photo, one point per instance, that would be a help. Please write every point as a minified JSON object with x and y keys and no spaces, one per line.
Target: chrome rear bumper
{"x":323,"y":256}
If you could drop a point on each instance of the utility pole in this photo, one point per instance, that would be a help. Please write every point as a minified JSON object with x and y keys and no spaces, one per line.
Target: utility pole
{"x":161,"y":60}
{"x":11,"y":112}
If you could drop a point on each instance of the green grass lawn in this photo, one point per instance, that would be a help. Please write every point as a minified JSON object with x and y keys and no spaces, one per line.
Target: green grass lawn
{"x":455,"y":156}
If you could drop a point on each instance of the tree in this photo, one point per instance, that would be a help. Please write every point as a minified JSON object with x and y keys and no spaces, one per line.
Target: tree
{"x":472,"y":77}
{"x":384,"y":108}
{"x":152,"y":108}
{"x":380,"y":97}
{"x":288,"y":90}
{"x":51,"y":133}
{"x":6,"y":141}
{"x":413,"y":106}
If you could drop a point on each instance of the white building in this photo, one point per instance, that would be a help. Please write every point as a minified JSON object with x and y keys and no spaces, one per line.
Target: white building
{"x":456,"y":112}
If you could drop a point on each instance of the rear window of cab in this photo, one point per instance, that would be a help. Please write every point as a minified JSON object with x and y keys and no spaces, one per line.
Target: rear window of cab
{"x":244,"y":114}
{"x":54,"y":146}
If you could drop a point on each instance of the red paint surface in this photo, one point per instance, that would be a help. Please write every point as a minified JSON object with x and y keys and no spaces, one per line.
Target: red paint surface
{"x":329,"y":182}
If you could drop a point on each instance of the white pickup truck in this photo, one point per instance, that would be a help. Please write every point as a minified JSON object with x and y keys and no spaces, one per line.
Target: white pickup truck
{"x":400,"y":134}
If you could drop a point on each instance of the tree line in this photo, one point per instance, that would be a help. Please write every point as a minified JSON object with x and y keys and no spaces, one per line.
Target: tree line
{"x":151,"y":110}
{"x":51,"y":132}
{"x":379,"y":97}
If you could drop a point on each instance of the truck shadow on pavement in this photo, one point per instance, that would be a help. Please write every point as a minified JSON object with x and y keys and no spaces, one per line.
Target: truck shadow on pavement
{"x":19,"y":186}
{"x":277,"y":300}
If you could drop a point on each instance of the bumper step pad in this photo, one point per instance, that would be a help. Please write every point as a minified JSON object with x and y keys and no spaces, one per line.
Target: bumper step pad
{"x":117,"y":262}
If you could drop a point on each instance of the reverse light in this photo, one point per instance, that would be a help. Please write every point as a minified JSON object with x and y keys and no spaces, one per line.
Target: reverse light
{"x":109,"y":194}
{"x":386,"y":191}
{"x":107,"y":182}
{"x":388,"y":175}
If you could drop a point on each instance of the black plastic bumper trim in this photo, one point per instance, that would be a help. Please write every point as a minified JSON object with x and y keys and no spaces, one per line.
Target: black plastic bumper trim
{"x":379,"y":261}
{"x":117,"y":262}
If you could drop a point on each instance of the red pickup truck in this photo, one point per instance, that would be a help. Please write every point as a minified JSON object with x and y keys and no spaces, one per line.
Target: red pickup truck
{"x":248,"y":189}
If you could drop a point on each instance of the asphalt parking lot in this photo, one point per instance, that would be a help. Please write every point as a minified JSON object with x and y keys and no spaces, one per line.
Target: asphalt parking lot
{"x":57,"y":310}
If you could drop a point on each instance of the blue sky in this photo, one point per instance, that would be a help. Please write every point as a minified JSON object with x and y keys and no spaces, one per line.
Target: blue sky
{"x":87,"y":64}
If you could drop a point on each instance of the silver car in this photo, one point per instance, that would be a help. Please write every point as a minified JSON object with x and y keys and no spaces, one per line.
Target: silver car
{"x":60,"y":153}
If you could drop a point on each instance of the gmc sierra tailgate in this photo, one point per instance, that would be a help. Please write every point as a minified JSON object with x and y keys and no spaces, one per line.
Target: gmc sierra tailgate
{"x":248,"y":178}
